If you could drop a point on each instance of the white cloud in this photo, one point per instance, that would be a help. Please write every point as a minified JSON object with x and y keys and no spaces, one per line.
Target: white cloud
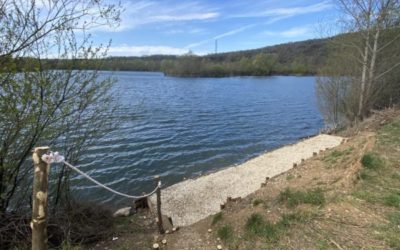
{"x":283,"y":13}
{"x":146,"y":12}
{"x":225,"y":34}
{"x":187,"y":17}
{"x":290,"y":33}
{"x":145,"y":50}
{"x":296,"y":31}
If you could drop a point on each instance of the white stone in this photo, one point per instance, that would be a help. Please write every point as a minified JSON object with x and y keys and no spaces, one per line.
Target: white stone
{"x":219,"y":247}
{"x":164,"y":241}
{"x":156,"y":246}
{"x":210,"y":230}
{"x":123,"y":212}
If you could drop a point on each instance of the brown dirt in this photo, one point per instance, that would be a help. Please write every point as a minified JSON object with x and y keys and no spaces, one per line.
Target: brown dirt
{"x":337,"y":218}
{"x":345,"y":222}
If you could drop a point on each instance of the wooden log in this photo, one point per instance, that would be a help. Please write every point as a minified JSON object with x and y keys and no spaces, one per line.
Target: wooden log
{"x":159,"y":215}
{"x":39,"y":199}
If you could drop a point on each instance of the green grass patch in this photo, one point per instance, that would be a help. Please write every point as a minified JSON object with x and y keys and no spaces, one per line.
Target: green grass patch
{"x":271,"y":232}
{"x":257,"y":202}
{"x":392,"y":200}
{"x":293,"y":198}
{"x":396,"y":176}
{"x":217,"y":218}
{"x":364,"y":175}
{"x":389,"y":135}
{"x":335,"y":155}
{"x":290,"y":177}
{"x":225,"y":233}
{"x":257,"y":226}
{"x":372,"y":161}
{"x":394,"y":218}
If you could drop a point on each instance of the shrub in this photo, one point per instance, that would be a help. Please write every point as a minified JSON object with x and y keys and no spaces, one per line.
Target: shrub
{"x":225,"y":233}
{"x":371,"y":161}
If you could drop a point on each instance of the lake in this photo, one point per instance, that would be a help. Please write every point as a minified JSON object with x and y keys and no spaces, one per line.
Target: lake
{"x":185,"y":127}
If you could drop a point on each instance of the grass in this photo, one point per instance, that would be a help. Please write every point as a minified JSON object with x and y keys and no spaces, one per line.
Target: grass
{"x":217,"y":218}
{"x":271,"y":232}
{"x":225,"y":233}
{"x":381,"y":185}
{"x":257,"y":226}
{"x":290,"y":177}
{"x":336,"y":155}
{"x":391,"y":231}
{"x":396,"y":176}
{"x":394,"y":218}
{"x":392,"y":200}
{"x":293,"y":198}
{"x":372,"y":161}
{"x":257,"y":202}
{"x":68,"y":246}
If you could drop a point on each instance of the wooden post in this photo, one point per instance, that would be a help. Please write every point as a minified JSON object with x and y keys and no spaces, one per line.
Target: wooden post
{"x":39,"y":199}
{"x":159,"y":215}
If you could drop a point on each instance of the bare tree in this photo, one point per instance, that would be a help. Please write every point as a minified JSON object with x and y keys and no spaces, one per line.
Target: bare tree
{"x":64,"y":109}
{"x":369,"y":54}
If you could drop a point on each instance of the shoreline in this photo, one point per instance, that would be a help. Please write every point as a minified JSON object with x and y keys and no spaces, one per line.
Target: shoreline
{"x":194,"y":199}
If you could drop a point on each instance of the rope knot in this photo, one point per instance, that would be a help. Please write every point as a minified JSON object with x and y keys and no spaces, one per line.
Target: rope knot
{"x":53,"y":157}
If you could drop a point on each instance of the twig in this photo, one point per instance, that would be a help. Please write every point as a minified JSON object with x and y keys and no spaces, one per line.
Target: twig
{"x":336,"y":244}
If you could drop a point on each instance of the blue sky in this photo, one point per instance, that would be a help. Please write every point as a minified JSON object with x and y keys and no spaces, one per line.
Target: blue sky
{"x":175,"y":27}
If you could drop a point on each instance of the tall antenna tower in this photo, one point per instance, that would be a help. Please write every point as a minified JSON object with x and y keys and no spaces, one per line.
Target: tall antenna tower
{"x":216,"y":46}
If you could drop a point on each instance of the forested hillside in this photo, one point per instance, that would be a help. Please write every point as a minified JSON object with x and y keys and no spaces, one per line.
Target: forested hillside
{"x":298,"y":58}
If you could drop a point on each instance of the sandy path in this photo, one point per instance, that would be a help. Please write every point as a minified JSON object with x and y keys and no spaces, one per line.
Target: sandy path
{"x":192,"y":200}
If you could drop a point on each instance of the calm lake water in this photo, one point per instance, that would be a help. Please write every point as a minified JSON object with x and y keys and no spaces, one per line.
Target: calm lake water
{"x":185,"y":127}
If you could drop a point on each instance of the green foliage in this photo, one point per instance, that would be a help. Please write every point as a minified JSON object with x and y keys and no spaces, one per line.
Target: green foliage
{"x":217,"y":218}
{"x":372,"y":161}
{"x":225,"y":233}
{"x":293,"y":198}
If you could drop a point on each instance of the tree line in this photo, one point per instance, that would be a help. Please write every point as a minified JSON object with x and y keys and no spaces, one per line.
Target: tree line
{"x":299,"y":58}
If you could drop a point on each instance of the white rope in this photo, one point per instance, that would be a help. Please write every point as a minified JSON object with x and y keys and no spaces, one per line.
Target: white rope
{"x":57,"y":158}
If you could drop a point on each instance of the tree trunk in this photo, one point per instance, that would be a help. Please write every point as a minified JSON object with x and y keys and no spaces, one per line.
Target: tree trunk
{"x":374,"y":53}
{"x":361,"y":100}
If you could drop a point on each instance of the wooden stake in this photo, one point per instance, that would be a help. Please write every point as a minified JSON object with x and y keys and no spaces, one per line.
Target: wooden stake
{"x":39,"y":199}
{"x":159,"y":215}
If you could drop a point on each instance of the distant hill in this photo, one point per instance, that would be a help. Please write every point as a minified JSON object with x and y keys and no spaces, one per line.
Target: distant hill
{"x":296,"y":58}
